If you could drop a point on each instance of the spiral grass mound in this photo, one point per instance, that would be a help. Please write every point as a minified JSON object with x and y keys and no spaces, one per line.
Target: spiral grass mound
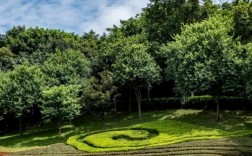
{"x":158,"y":133}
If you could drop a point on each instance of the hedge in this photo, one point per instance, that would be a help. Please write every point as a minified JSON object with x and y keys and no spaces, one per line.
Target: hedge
{"x":194,"y":102}
{"x":208,"y":102}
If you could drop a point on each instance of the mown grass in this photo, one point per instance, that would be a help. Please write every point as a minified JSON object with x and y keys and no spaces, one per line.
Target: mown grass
{"x":170,"y":124}
{"x":170,"y":132}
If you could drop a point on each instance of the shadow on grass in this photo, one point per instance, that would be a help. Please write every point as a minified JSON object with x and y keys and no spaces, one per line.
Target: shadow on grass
{"x":230,"y":120}
{"x":123,"y":119}
{"x":37,"y":138}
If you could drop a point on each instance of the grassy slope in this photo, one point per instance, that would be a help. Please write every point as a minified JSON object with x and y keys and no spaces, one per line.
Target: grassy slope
{"x":198,"y":120}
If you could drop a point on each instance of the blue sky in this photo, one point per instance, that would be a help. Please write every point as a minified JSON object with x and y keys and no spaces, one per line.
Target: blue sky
{"x":69,"y":15}
{"x":76,"y":16}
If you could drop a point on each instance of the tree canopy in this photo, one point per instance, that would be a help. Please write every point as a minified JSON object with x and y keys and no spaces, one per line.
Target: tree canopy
{"x":178,"y":47}
{"x":21,"y":89}
{"x":135,"y":67}
{"x":204,"y":58}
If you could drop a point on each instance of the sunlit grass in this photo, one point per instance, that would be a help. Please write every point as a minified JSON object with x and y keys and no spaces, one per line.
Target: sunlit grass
{"x":170,"y":124}
{"x":169,"y":132}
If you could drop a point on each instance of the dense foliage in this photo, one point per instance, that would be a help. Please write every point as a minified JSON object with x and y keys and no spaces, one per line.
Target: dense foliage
{"x":204,"y":58}
{"x":197,"y":48}
{"x":60,"y":103}
{"x":20,"y":90}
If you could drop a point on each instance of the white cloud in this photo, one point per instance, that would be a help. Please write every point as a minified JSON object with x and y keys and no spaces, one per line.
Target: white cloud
{"x":69,"y":15}
{"x":221,"y":1}
{"x":111,"y":15}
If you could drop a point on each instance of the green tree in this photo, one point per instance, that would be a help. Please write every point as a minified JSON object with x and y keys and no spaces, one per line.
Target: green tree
{"x":90,"y":45}
{"x":2,"y":105}
{"x":243,"y":21}
{"x":204,"y":58}
{"x":208,"y":9}
{"x":136,"y":68}
{"x":21,"y":89}
{"x":114,"y":44}
{"x":60,"y":103}
{"x":164,"y":18}
{"x":100,"y":92}
{"x":7,"y":59}
{"x":132,"y":26}
{"x":247,"y":70}
{"x":35,"y":44}
{"x":69,"y":67}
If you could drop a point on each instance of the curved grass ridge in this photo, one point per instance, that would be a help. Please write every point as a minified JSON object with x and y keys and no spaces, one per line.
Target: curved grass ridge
{"x":158,"y":133}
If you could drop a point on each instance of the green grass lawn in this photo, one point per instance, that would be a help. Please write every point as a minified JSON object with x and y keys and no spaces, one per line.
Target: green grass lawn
{"x":127,"y":132}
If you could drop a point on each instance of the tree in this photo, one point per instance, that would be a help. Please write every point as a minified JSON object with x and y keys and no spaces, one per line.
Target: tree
{"x":132,"y":26}
{"x":68,"y":67}
{"x":164,"y":18}
{"x":21,"y":89}
{"x":135,"y":67}
{"x":60,"y":103}
{"x":100,"y":93}
{"x":36,"y":43}
{"x":208,"y":9}
{"x":90,"y":45}
{"x":7,"y":59}
{"x":204,"y":58}
{"x":2,"y":106}
{"x":247,"y":69}
{"x":243,"y":21}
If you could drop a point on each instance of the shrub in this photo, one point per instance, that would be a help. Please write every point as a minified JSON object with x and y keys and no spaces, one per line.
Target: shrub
{"x":193,"y":102}
{"x":199,"y":102}
{"x":161,"y":103}
{"x":208,"y":102}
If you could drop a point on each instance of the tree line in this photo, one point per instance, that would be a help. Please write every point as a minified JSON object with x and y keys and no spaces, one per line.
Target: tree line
{"x":199,"y":46}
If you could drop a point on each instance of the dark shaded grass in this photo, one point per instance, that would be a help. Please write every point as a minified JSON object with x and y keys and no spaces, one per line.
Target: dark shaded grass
{"x":226,"y":147}
{"x":48,"y":134}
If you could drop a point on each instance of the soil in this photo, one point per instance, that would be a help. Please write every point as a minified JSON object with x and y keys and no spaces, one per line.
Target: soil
{"x":216,"y":147}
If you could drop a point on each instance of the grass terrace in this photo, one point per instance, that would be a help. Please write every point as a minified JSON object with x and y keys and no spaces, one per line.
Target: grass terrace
{"x":126,"y":133}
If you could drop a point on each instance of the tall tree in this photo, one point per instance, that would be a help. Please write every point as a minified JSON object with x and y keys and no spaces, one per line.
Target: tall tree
{"x":247,"y":69}
{"x":7,"y":59}
{"x":60,"y":103}
{"x":21,"y":89}
{"x":90,"y":47}
{"x":243,"y":21}
{"x":100,"y":93}
{"x":204,"y":58}
{"x":135,"y":67}
{"x":3,"y":107}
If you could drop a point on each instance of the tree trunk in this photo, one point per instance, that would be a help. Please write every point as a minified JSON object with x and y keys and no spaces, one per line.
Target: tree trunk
{"x":139,"y":98}
{"x":102,"y":118}
{"x":148,"y":93}
{"x":130,"y":97}
{"x":32,"y":111}
{"x":60,"y":129}
{"x":139,"y":110}
{"x":20,"y":127}
{"x":114,"y":100}
{"x":217,"y":99}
